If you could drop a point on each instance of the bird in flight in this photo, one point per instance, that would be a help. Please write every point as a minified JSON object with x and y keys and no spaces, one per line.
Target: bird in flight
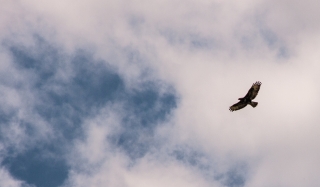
{"x":252,"y":93}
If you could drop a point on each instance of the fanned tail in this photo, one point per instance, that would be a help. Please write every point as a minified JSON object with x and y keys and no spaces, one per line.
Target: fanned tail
{"x":253,"y":104}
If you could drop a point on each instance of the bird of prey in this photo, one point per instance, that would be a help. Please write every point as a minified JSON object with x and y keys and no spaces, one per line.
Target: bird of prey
{"x":252,"y":93}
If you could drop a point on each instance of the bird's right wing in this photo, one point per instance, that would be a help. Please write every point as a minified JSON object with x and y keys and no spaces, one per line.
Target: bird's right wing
{"x":238,"y":106}
{"x":253,"y":91}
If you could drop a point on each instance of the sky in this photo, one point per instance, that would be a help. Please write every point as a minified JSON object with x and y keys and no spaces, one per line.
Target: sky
{"x":135,"y":93}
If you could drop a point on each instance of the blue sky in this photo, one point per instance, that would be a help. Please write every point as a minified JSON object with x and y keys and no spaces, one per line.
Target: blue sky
{"x":133,"y":93}
{"x":64,"y":105}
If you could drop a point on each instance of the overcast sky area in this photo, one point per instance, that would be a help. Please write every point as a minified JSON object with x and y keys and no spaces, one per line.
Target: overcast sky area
{"x":136,"y":93}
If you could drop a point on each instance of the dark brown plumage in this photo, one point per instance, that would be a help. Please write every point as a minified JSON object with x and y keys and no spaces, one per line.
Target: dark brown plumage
{"x":252,"y":93}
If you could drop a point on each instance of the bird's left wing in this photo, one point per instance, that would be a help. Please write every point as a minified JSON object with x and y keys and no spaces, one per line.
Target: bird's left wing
{"x":238,"y":106}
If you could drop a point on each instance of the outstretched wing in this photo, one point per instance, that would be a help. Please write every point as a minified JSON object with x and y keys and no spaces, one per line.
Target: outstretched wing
{"x":253,"y":92}
{"x":238,"y":106}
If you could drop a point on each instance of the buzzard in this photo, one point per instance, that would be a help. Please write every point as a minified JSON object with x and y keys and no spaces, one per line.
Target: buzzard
{"x":252,"y":93}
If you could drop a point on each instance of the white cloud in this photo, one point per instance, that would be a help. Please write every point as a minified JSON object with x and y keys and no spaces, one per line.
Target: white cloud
{"x":97,"y":163}
{"x":7,"y":180}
